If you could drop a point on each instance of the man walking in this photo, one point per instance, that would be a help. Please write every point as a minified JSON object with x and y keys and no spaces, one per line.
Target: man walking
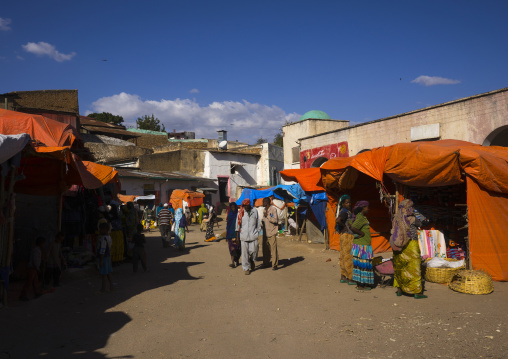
{"x":247,"y":226}
{"x":270,"y":229}
{"x":164,"y":218}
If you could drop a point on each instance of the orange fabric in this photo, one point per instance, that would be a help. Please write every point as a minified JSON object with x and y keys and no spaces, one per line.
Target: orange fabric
{"x":194,"y":199}
{"x":42,"y":129}
{"x":333,"y":237}
{"x":126,"y":198}
{"x":308,"y":178}
{"x":488,"y":219}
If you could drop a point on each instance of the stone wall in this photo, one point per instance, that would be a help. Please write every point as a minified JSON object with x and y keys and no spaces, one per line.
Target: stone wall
{"x":188,"y":161}
{"x":106,"y":153}
{"x":150,"y":141}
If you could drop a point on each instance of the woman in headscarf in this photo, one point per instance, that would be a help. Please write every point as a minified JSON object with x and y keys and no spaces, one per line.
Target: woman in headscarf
{"x":406,"y":251}
{"x":209,"y":235}
{"x":180,"y":227}
{"x":201,"y":212}
{"x":231,"y":235}
{"x":361,"y":251}
{"x":343,"y":227}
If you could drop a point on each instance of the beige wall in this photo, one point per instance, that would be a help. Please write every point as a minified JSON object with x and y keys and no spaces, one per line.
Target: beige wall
{"x":471,"y":119}
{"x":296,"y":130}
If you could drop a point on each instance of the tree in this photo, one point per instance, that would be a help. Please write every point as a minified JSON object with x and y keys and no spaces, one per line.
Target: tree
{"x":107,"y":117}
{"x":150,"y":123}
{"x":279,"y":138}
{"x":261,"y":140}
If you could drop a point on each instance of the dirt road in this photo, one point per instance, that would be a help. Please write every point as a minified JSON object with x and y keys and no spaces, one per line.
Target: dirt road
{"x":191,"y":304}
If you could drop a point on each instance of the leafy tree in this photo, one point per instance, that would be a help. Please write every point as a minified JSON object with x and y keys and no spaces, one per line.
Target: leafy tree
{"x":261,"y":140}
{"x":107,"y":117}
{"x":150,"y":123}
{"x":279,"y":138}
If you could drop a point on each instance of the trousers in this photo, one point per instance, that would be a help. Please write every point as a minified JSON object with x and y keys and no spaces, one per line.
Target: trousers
{"x":270,"y":250}
{"x":249,"y":253}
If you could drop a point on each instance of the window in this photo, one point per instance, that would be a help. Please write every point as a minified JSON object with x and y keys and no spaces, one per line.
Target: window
{"x":296,"y":154}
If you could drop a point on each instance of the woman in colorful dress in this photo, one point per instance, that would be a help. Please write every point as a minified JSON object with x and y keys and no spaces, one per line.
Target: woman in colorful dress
{"x":212,"y":217}
{"x":343,"y":227}
{"x":363,"y":273}
{"x":231,"y":236}
{"x":406,"y":251}
{"x":180,"y":227}
{"x":201,"y":212}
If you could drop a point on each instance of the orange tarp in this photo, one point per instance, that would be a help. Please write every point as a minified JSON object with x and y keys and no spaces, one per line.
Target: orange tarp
{"x":308,"y":178}
{"x":42,"y":129}
{"x":194,"y":199}
{"x":51,"y":167}
{"x":442,"y":163}
{"x":126,"y":198}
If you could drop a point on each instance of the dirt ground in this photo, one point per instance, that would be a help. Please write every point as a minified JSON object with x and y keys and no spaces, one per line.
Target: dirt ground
{"x":191,"y":304}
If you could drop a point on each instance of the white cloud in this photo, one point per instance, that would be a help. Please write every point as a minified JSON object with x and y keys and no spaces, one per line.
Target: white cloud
{"x":194,"y":91}
{"x":434,"y":80}
{"x":19,"y":58}
{"x":42,"y":48}
{"x":244,"y":121}
{"x":4,"y":24}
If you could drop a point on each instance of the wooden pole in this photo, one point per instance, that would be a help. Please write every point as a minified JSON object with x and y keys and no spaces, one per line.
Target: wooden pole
{"x":301,"y":229}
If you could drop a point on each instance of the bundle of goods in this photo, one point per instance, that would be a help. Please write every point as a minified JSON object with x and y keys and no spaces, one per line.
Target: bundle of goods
{"x":442,"y":270}
{"x":472,"y":282}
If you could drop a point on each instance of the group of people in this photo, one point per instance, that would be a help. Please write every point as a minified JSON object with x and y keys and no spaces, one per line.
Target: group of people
{"x":356,"y":247}
{"x":172,"y":224}
{"x":242,"y":232}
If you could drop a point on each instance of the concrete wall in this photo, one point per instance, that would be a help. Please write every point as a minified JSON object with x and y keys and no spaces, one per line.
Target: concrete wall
{"x":272,"y":158}
{"x":296,"y":130}
{"x":104,"y":153}
{"x":471,"y":119}
{"x":219,"y":164}
{"x":188,"y":161}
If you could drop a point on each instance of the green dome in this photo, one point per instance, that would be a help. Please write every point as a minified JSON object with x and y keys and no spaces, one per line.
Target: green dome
{"x":319,"y":115}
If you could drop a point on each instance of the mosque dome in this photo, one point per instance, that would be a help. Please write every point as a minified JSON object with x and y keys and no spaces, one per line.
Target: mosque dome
{"x":314,"y":114}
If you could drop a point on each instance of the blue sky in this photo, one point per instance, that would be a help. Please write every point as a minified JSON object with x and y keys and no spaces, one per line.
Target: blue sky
{"x":249,"y":66}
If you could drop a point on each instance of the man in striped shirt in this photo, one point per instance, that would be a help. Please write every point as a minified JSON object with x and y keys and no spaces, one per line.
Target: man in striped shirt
{"x":164,"y":218}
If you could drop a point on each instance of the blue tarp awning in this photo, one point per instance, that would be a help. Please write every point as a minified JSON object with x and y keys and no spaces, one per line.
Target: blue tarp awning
{"x":293,"y":193}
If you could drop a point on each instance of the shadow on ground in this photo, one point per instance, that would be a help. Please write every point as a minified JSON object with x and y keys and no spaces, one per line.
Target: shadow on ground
{"x":75,"y":321}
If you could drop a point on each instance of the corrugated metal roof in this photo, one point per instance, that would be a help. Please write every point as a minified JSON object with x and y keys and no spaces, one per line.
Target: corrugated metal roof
{"x":175,"y":176}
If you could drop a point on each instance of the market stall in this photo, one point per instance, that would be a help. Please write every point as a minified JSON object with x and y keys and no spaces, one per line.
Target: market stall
{"x":460,"y":188}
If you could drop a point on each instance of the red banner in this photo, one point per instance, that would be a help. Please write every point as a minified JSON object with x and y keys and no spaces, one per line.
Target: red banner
{"x":317,"y":156}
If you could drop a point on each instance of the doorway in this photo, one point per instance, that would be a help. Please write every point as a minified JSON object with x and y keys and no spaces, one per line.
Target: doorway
{"x":223,"y":189}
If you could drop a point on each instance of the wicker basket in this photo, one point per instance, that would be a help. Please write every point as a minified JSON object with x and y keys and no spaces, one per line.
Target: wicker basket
{"x":472,"y":282}
{"x":441,"y":275}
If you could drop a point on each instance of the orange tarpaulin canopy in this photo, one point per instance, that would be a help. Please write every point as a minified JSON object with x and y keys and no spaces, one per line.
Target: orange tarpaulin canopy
{"x":126,"y":198}
{"x":50,"y":167}
{"x":442,"y":163}
{"x":308,"y":178}
{"x":194,"y":199}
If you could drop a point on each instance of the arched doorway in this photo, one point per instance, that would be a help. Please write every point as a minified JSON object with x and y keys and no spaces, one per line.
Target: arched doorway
{"x":318,"y":162}
{"x":498,"y":137}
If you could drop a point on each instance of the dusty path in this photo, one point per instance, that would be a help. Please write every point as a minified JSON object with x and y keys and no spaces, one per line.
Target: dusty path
{"x":192,"y":305}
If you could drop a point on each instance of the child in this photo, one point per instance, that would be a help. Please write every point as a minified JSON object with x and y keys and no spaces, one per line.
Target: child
{"x":54,"y":262}
{"x":138,"y":252}
{"x":104,"y":256}
{"x":34,"y":268}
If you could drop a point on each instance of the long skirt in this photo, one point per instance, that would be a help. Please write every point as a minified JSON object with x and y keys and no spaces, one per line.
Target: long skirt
{"x":362,"y":264}
{"x":180,"y":238}
{"x":345,"y":258}
{"x":235,"y":249}
{"x":209,"y":236}
{"x":407,"y":266}
{"x":117,"y":246}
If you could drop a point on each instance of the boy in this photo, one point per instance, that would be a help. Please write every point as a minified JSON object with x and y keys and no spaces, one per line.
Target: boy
{"x":34,"y":269}
{"x":104,"y":256}
{"x":138,"y":252}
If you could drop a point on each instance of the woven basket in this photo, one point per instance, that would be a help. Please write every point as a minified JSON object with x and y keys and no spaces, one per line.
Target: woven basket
{"x":441,"y":275}
{"x":472,"y":282}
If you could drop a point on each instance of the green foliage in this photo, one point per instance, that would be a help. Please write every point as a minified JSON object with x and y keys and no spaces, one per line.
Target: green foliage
{"x":279,"y":138}
{"x":107,"y":117}
{"x":150,"y":123}
{"x":261,"y":140}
